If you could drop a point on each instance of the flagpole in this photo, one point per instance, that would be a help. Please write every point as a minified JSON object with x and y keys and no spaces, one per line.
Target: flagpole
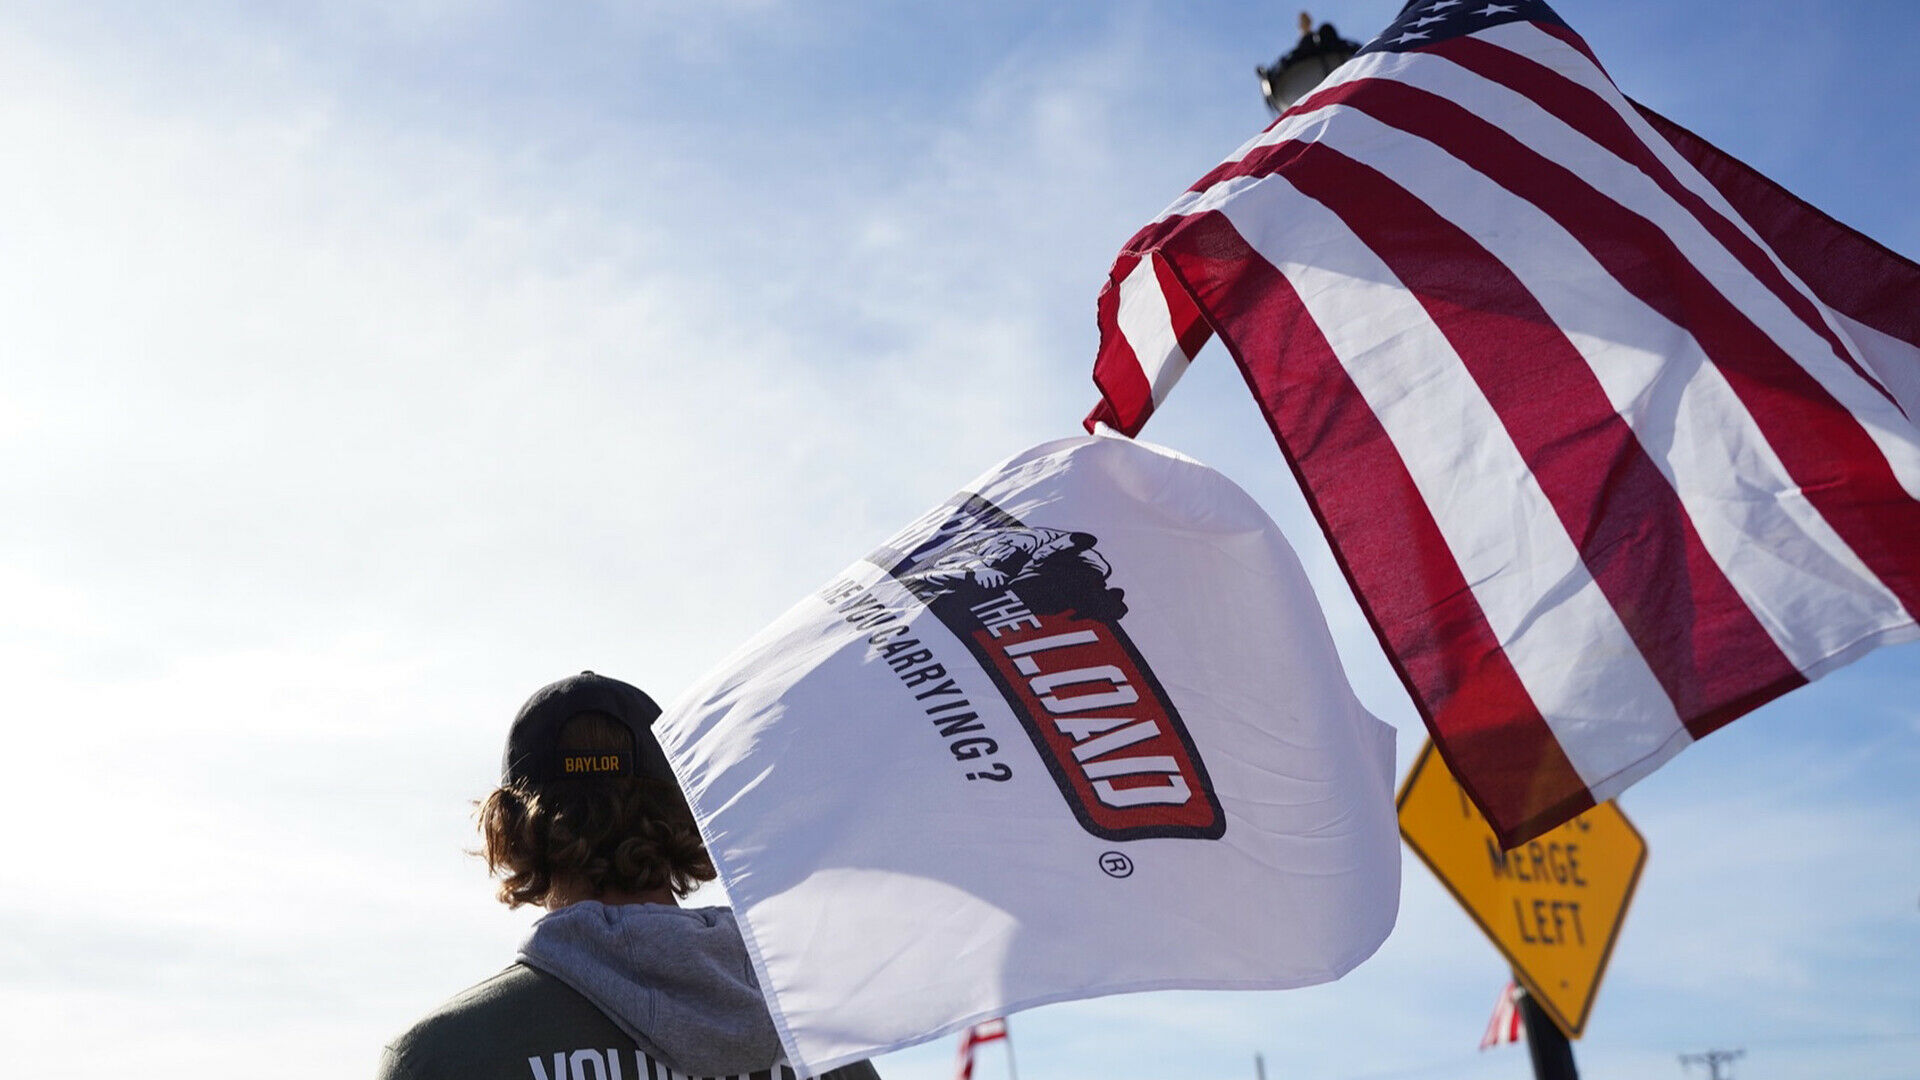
{"x":1012,"y":1073}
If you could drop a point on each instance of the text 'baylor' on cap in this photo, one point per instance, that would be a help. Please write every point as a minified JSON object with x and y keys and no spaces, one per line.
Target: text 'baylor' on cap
{"x":534,"y":750}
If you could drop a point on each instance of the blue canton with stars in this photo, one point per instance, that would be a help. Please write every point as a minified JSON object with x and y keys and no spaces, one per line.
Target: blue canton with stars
{"x":1424,"y":22}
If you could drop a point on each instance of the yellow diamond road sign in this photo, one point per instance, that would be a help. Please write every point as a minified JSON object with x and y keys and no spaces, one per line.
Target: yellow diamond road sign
{"x":1553,"y":905}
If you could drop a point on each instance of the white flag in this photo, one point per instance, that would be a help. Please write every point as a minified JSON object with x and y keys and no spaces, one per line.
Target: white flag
{"x":1078,"y":730}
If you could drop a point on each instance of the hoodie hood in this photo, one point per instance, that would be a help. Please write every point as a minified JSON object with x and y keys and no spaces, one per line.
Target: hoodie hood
{"x":677,"y":980}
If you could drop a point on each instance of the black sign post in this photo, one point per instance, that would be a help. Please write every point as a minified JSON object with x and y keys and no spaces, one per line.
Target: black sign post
{"x":1549,"y":1047}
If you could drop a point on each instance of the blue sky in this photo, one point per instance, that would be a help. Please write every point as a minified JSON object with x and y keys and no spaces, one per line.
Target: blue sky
{"x":370,"y":365}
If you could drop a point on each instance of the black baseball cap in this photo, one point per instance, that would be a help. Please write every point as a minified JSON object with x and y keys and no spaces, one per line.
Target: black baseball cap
{"x":535,"y":755}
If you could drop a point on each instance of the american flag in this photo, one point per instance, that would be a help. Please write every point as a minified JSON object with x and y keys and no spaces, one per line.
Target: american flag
{"x":1505,"y":1026}
{"x":1612,"y":436}
{"x":985,"y":1032}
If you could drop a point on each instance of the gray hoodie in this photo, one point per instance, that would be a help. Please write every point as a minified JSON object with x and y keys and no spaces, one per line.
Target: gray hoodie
{"x":677,"y":980}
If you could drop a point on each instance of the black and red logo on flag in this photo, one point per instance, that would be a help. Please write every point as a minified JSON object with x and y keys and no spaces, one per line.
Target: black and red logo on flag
{"x":1035,"y":607}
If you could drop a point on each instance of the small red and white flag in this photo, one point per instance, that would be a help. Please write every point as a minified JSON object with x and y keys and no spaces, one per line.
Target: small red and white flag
{"x":1612,"y":436}
{"x":990,"y":1031}
{"x":1506,"y":1026}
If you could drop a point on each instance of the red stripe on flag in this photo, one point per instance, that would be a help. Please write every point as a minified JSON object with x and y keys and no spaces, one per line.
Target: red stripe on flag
{"x":1189,"y":326}
{"x":1259,"y":161}
{"x":986,"y":1032}
{"x":1836,"y":463}
{"x":1126,"y":399}
{"x":1388,"y":545}
{"x":1593,"y":117}
{"x":1636,"y":538}
{"x":1855,"y":274}
{"x":1577,"y":43}
{"x":1823,"y":447}
{"x":1505,"y":1025}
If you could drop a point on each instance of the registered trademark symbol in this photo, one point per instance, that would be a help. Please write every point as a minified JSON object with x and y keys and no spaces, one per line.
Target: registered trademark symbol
{"x":1116,"y":865}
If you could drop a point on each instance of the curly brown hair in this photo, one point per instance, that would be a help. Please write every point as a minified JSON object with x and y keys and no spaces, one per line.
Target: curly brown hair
{"x":578,"y":838}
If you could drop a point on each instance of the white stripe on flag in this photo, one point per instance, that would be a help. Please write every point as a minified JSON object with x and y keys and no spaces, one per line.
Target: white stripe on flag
{"x":1806,"y":587}
{"x":1567,"y":645}
{"x":1894,"y":361}
{"x":1637,"y":192}
{"x":1551,"y":52}
{"x":1624,"y":183}
{"x":1148,"y":325}
{"x":1369,"y":66}
{"x":1733,"y":459}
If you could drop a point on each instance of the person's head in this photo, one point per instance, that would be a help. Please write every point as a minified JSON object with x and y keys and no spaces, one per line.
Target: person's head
{"x":586,"y":808}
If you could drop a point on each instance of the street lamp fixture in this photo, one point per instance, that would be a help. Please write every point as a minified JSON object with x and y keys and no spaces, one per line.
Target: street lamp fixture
{"x":1295,"y":74}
